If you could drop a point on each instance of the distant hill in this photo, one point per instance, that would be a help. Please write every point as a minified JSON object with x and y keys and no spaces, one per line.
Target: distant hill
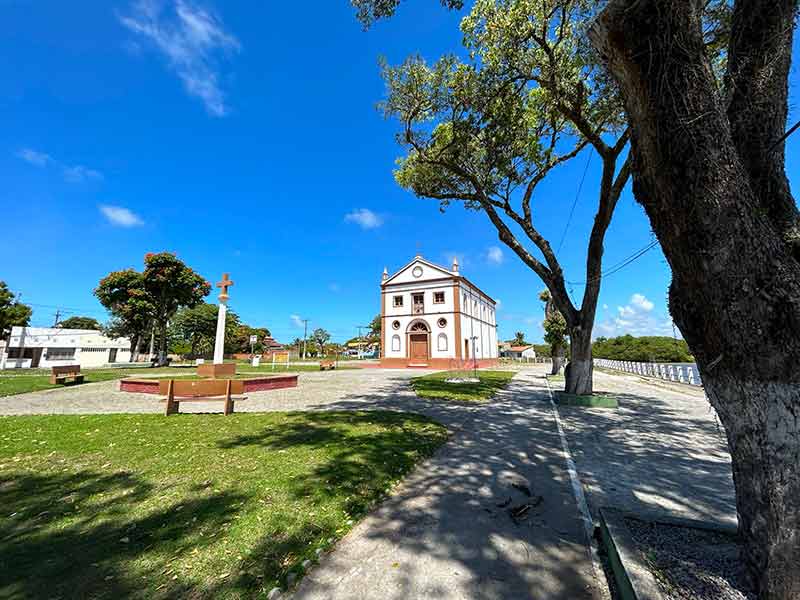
{"x":649,"y":348}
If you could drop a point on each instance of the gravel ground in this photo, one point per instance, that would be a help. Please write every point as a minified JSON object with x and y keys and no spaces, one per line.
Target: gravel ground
{"x":688,"y":563}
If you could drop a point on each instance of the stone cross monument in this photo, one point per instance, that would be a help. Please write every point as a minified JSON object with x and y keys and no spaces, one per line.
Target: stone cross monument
{"x":219,"y":341}
{"x":219,"y":368}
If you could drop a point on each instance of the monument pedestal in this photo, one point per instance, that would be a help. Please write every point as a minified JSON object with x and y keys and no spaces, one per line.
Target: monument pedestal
{"x":217,"y":370}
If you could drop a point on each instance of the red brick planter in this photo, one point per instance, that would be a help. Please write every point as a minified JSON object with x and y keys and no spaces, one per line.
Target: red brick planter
{"x":254,"y":384}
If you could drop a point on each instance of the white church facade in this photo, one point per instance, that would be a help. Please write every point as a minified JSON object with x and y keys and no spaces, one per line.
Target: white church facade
{"x":433,"y":317}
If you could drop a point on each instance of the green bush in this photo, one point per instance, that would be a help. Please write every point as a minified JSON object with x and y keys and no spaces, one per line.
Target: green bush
{"x":642,"y":349}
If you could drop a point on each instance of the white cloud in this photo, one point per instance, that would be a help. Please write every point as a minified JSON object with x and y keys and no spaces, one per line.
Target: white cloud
{"x":494,"y":255}
{"x":71,"y":173}
{"x":642,"y":302}
{"x":190,"y":40}
{"x":79,"y":173}
{"x":38,"y":159}
{"x":635,"y":318}
{"x":296,"y":321}
{"x":120,"y":216}
{"x":605,"y":306}
{"x":364,"y":218}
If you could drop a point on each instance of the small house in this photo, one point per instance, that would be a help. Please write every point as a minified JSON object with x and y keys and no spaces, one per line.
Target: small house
{"x":45,"y":347}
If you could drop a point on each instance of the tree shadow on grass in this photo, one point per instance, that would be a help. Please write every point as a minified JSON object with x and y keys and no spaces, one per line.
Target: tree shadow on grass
{"x":363,"y":447}
{"x":78,"y":535}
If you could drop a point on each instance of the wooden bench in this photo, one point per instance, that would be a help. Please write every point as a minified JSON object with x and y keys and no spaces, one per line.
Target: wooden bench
{"x":60,"y":375}
{"x":176,"y":391}
{"x":325,"y":365}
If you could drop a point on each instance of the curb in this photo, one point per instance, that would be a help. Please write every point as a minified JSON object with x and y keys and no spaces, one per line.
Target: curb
{"x":634,"y":580}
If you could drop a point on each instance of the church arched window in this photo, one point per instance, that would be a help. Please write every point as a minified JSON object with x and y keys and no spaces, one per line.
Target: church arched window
{"x":441,"y":342}
{"x":395,"y":343}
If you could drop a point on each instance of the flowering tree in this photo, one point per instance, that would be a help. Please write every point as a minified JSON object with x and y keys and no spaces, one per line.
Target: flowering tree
{"x":148,"y":300}
{"x":122,"y":293}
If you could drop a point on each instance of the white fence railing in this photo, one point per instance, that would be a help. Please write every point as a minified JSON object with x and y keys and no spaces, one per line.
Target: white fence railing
{"x":679,"y":372}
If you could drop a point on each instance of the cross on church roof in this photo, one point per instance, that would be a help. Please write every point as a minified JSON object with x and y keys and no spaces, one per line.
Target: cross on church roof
{"x":224,"y":284}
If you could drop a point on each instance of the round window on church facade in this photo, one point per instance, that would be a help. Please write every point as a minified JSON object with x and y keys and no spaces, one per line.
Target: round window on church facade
{"x":417,"y":272}
{"x":442,"y":322}
{"x":395,"y":324}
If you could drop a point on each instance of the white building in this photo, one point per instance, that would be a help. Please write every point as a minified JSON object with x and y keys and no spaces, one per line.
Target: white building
{"x":434,"y":317}
{"x":525,"y":352}
{"x":47,"y":347}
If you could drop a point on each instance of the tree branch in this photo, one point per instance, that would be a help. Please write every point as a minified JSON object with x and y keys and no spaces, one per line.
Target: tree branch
{"x":759,"y":57}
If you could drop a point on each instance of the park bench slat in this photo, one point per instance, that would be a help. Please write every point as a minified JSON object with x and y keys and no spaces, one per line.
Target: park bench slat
{"x":61,"y":374}
{"x":201,"y":391}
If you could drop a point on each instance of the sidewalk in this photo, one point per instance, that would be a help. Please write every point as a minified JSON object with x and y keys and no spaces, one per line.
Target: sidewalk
{"x":662,"y":452}
{"x":447,"y":532}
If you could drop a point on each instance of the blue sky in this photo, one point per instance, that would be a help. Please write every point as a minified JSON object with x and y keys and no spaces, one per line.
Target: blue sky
{"x":244,"y":137}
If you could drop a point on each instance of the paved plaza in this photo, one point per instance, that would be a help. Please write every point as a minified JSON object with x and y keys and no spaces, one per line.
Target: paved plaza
{"x":447,"y":532}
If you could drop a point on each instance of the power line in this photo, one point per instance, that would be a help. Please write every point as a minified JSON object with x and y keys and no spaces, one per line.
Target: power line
{"x":791,"y":130}
{"x":574,"y":204}
{"x":620,"y":265}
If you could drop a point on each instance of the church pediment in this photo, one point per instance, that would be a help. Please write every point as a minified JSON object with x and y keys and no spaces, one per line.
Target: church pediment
{"x":418,"y":270}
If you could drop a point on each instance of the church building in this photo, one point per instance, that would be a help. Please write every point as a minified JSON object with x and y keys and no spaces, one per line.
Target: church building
{"x":433,"y":317}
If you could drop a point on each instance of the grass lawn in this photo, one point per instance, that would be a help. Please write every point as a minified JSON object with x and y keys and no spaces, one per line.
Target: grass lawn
{"x":434,"y":385}
{"x":596,"y":400}
{"x":193,"y":506}
{"x":16,"y":382}
{"x":34,"y":380}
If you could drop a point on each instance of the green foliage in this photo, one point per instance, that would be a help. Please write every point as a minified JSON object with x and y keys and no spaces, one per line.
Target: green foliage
{"x":122,"y":293}
{"x":375,"y":327}
{"x":196,"y":328}
{"x":12,"y":311}
{"x":642,"y":349}
{"x":81,"y":323}
{"x":542,"y":349}
{"x":555,"y":330}
{"x":369,"y":11}
{"x":196,"y":506}
{"x":519,"y":339}
{"x":320,"y":337}
{"x":140,"y":302}
{"x":555,"y":327}
{"x":477,"y":131}
{"x":239,"y":341}
{"x":170,"y":284}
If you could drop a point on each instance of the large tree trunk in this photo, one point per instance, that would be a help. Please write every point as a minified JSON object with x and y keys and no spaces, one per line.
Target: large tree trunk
{"x":761,"y":422}
{"x":735,"y":292}
{"x":578,"y":374}
{"x":162,"y":345}
{"x":557,"y":355}
{"x":135,"y":349}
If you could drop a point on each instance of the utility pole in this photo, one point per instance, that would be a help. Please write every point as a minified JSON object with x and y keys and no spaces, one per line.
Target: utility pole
{"x":305,"y":336}
{"x":58,"y":314}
